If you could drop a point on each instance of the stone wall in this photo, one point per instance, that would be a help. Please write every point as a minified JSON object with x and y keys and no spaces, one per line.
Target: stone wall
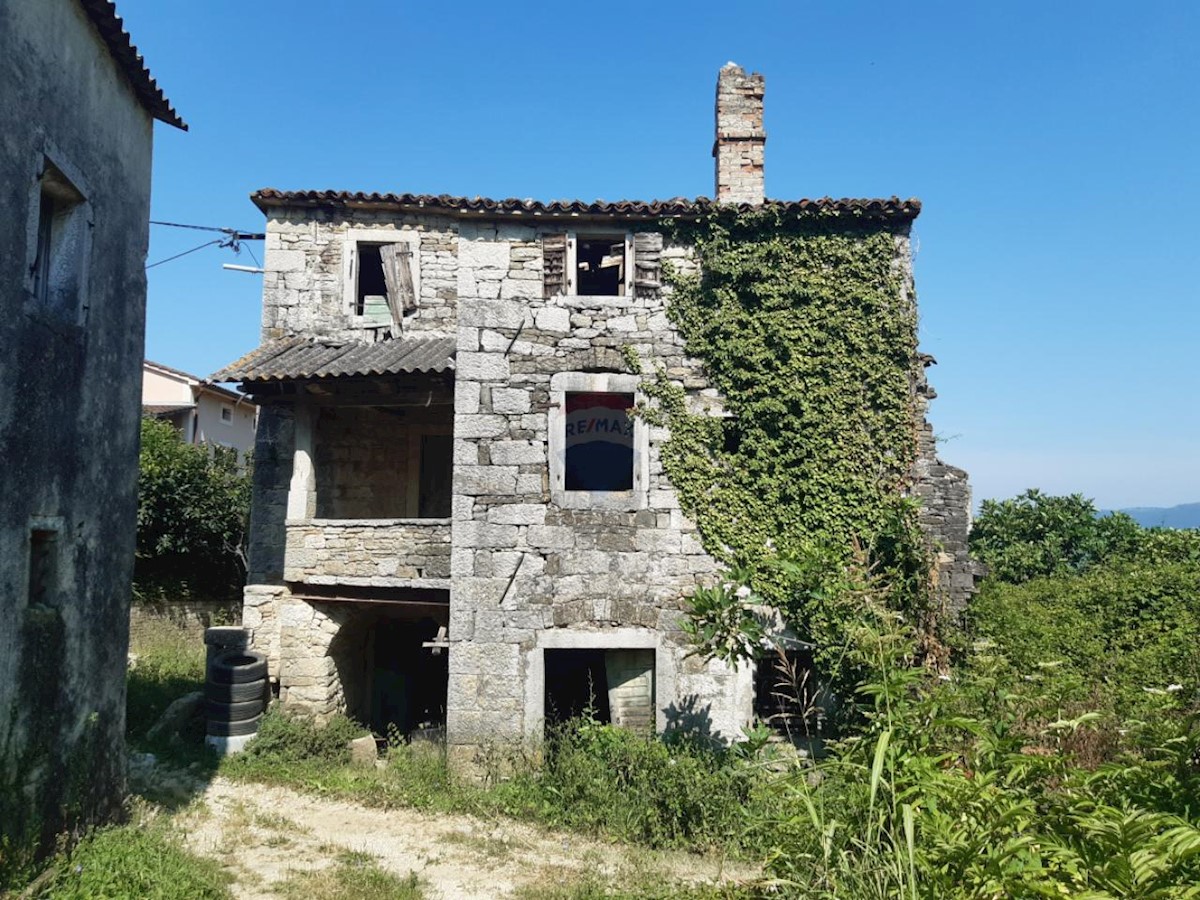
{"x":362,"y":462}
{"x":305,"y":284}
{"x":71,"y":376}
{"x":525,"y":567}
{"x":368,"y":552}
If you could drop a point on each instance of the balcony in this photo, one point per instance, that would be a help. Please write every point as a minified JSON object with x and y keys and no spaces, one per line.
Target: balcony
{"x":409,"y":553}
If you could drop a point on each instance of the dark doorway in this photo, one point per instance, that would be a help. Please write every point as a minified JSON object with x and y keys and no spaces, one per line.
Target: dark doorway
{"x":576,"y":684}
{"x":386,"y":674}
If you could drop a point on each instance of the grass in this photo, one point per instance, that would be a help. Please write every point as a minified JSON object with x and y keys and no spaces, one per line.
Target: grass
{"x":354,"y":876}
{"x":132,"y":861}
{"x":593,"y":779}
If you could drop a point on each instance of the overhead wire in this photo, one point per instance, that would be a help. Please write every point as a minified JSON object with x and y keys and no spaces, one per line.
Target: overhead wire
{"x":184,"y":253}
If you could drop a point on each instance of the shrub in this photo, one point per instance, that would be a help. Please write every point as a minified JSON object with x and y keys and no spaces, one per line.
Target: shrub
{"x":193,"y":506}
{"x":1119,"y":632}
{"x":284,"y":737}
{"x":659,"y":792}
{"x":1035,"y":535}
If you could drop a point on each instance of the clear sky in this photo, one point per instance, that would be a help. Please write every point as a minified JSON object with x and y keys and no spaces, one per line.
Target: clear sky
{"x":1055,"y":146}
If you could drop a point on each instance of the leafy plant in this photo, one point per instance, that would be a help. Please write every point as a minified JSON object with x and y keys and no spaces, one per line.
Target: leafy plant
{"x":193,"y":508}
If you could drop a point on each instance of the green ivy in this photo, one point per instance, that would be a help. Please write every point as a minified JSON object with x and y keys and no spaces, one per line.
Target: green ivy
{"x":807,"y":327}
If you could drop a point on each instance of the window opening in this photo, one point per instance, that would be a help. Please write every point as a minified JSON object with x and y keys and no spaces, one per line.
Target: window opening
{"x":787,"y":696}
{"x":43,"y":566}
{"x":600,"y":266}
{"x":371,"y":297}
{"x":226,"y":414}
{"x":599,"y":442}
{"x":610,"y":686}
{"x":59,"y":241}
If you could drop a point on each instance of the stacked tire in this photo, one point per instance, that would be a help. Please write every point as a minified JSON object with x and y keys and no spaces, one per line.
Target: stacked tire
{"x":236,"y":693}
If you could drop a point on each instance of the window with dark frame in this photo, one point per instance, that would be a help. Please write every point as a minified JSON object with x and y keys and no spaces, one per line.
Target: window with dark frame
{"x":226,"y":414}
{"x":599,"y":441}
{"x":600,"y":265}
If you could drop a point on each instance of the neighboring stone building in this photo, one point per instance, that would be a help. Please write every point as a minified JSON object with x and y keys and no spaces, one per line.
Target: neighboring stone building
{"x":454,"y":514}
{"x":202,"y":413}
{"x":77,"y":107}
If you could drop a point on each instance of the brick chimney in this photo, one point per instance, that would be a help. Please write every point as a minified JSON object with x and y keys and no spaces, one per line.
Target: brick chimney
{"x":738,"y":149}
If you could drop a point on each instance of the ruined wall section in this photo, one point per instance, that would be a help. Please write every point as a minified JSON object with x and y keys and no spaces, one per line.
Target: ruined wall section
{"x":943,"y":490}
{"x":527,"y":572}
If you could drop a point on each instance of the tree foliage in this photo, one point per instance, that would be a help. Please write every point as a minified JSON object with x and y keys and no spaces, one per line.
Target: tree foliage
{"x":1035,"y":535}
{"x":193,"y":506}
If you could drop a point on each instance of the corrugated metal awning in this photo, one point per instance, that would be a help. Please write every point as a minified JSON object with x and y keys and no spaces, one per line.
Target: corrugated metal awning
{"x":297,"y":357}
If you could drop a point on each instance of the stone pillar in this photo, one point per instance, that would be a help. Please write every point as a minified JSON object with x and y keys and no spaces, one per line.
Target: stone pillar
{"x":302,"y":493}
{"x":740,"y":141}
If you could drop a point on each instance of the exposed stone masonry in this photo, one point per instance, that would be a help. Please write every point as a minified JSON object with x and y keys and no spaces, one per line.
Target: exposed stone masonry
{"x":368,"y":552}
{"x":741,"y":141}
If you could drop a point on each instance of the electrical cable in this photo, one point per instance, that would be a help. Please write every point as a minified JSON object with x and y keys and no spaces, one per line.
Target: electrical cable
{"x":184,"y":253}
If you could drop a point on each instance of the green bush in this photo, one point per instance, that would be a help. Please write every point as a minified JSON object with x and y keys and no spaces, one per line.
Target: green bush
{"x":662,"y":793}
{"x":285,"y":737}
{"x":930,"y":802}
{"x":1119,"y":632}
{"x":193,"y":508}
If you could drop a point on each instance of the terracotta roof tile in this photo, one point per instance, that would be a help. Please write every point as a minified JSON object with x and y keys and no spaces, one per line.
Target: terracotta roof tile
{"x":103,"y":14}
{"x":265,"y":199}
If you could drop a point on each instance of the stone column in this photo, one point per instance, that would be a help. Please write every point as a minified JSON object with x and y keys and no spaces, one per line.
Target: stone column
{"x":302,"y":492}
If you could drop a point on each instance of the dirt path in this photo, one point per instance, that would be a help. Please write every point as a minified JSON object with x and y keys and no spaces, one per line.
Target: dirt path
{"x":266,"y":834}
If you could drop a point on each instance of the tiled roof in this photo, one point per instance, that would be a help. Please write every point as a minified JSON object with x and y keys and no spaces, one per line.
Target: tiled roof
{"x":103,"y":14}
{"x":890,"y":208}
{"x":297,"y":357}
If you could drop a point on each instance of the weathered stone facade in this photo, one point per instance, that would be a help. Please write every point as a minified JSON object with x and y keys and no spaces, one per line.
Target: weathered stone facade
{"x":529,"y":568}
{"x":76,"y":128}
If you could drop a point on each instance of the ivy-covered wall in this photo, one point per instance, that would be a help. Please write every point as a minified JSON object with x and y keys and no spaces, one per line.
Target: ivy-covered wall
{"x":807,"y":327}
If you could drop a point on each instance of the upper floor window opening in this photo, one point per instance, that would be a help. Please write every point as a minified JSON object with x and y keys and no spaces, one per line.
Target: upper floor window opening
{"x":59,"y":253}
{"x":381,"y":276}
{"x":589,"y":264}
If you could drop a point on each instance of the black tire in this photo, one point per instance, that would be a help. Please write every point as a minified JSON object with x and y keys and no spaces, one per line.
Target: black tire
{"x":234,"y":729}
{"x":236,"y":693}
{"x":233,"y":712}
{"x":238,"y":667}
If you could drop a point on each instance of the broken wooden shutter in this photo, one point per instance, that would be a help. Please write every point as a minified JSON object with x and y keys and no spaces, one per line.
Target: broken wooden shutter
{"x":397,"y":273}
{"x":630,"y":677}
{"x":647,"y":263}
{"x":554,"y":265}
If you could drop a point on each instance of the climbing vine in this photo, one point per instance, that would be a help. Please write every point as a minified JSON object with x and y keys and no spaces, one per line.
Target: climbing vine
{"x":807,"y":328}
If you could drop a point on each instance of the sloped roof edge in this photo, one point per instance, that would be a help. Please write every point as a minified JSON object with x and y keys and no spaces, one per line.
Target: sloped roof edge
{"x":103,"y":15}
{"x":268,"y":198}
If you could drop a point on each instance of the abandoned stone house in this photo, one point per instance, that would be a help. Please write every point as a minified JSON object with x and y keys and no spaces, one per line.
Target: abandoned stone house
{"x":457,"y":523}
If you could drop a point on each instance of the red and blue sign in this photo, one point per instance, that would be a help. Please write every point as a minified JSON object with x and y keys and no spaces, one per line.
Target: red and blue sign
{"x":599,"y":442}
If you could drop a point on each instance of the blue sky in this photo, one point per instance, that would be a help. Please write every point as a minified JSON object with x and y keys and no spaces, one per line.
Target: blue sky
{"x":1055,"y":147}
